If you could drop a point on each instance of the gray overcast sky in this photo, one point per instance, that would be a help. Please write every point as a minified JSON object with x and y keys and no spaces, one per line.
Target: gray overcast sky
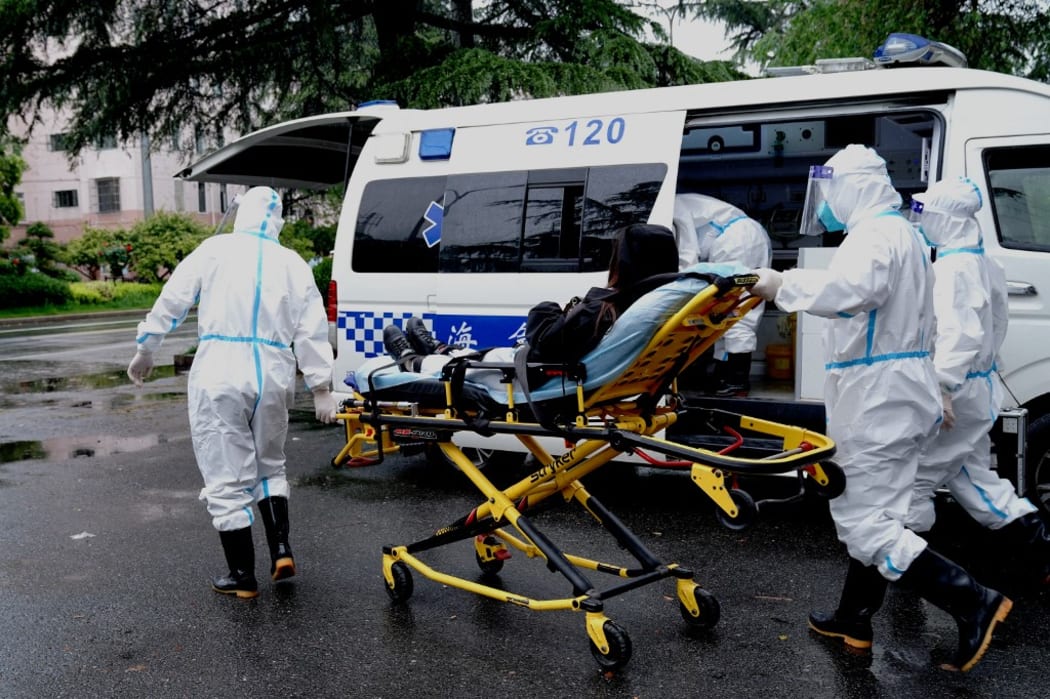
{"x":700,"y":38}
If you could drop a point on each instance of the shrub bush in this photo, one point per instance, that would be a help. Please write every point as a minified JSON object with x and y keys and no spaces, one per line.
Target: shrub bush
{"x":32,"y":289}
{"x":117,"y":295}
{"x":91,"y":292}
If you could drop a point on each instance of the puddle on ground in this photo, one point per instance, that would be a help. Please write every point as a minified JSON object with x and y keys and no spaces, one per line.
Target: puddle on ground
{"x":80,"y":382}
{"x":74,"y":447}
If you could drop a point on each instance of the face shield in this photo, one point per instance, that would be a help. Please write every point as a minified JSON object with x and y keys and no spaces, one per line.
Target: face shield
{"x":915,"y":216}
{"x":230,"y":211}
{"x":817,"y":216}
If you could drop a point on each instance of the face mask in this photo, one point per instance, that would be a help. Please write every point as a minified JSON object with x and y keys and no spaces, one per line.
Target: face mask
{"x":828,"y":219}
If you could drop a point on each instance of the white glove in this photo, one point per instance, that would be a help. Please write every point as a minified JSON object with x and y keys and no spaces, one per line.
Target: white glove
{"x":141,"y":366}
{"x":324,"y":405}
{"x":949,"y":414}
{"x":768,"y":284}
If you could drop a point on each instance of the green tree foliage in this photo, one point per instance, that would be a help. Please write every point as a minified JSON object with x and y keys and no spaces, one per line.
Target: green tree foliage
{"x":39,"y":242}
{"x":322,"y":238}
{"x":99,"y":250}
{"x":1008,"y":36}
{"x":128,"y":67}
{"x":11,"y":168}
{"x":161,"y":241}
{"x":323,"y":275}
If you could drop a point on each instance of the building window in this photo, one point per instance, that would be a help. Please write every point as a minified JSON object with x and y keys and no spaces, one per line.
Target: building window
{"x":65,"y":199}
{"x":202,"y":198}
{"x":108,"y":142}
{"x":58,"y":142}
{"x":108,"y":191}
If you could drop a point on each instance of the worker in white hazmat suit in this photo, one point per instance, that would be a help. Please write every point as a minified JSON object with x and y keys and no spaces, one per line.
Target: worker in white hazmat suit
{"x":970,"y":302}
{"x":881,"y":396}
{"x":259,"y":313}
{"x":711,"y":230}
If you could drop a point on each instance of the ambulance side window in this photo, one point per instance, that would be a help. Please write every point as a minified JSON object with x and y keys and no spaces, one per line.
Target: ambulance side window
{"x":557,"y":220}
{"x":482,"y":225}
{"x":399,"y":226}
{"x":1019,"y":181}
{"x":616,"y":195}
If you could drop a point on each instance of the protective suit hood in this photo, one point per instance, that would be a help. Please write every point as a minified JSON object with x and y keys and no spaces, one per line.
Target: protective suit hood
{"x":946,"y":213}
{"x":708,"y":210}
{"x":259,"y":213}
{"x":861,"y":187}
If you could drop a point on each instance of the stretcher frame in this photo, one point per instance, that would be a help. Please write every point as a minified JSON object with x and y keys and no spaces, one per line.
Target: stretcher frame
{"x":623,"y":416}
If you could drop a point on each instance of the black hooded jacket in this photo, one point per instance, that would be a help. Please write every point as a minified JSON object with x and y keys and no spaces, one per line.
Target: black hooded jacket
{"x":557,"y":334}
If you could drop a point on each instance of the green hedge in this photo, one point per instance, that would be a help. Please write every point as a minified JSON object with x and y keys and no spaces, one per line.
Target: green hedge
{"x":32,"y":289}
{"x":119,"y":294}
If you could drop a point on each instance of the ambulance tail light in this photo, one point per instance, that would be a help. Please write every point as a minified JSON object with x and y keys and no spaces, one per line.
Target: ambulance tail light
{"x":333,"y":301}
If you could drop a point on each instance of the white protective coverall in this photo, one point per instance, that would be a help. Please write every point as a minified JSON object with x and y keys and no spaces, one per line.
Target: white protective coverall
{"x":711,"y":230}
{"x":256,"y":302}
{"x":970,"y":301}
{"x":881,"y":396}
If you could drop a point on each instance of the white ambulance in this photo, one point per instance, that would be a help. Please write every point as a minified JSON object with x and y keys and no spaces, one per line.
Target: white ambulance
{"x":468,"y":216}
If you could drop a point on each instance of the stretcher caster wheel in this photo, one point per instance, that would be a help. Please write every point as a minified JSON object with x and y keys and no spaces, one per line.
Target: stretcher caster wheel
{"x":401,"y":590}
{"x":619,"y":647}
{"x":836,"y":481}
{"x":492,"y":567}
{"x":490,"y":553}
{"x":710,"y":610}
{"x":747,"y":511}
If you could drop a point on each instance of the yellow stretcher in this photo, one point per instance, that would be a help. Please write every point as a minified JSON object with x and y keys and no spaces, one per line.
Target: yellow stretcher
{"x":601,"y":410}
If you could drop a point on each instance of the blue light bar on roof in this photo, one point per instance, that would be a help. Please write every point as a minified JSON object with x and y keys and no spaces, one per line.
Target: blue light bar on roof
{"x":901,"y":49}
{"x":436,"y":144}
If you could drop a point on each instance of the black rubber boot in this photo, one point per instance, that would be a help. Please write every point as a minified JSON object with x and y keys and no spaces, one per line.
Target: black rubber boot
{"x":240,"y":557}
{"x":976,"y":608}
{"x":1029,"y":537}
{"x":274,"y":511}
{"x":422,"y":340}
{"x":862,"y":596}
{"x":736,"y":375}
{"x":400,"y":349}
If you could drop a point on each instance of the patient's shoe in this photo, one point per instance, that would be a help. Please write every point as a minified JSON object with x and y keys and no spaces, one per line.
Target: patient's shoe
{"x":422,"y":340}
{"x":400,"y":349}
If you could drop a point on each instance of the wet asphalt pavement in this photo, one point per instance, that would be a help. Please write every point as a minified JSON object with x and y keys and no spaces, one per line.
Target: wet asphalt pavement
{"x":103,"y":585}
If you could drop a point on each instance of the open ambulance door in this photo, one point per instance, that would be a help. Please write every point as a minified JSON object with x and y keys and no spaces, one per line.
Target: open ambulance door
{"x":316,"y":152}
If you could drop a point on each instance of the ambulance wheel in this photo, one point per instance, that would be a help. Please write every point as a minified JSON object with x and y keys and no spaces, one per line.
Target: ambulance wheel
{"x":402,"y":588}
{"x":482,"y":458}
{"x":836,"y":481}
{"x":619,"y":647}
{"x":710,"y":610}
{"x":492,"y":567}
{"x":747,"y":511}
{"x":1037,"y":476}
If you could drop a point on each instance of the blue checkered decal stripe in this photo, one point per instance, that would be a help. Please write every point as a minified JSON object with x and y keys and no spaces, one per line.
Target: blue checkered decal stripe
{"x":364,"y":330}
{"x":361,"y":332}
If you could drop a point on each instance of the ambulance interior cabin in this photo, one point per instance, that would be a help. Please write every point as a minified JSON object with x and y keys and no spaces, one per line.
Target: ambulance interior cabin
{"x":762,"y":167}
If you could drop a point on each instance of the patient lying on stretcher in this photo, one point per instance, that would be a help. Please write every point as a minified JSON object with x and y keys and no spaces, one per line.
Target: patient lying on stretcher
{"x":556,"y":334}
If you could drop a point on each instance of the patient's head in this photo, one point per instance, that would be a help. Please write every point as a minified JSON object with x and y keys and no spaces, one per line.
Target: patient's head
{"x":641,"y":250}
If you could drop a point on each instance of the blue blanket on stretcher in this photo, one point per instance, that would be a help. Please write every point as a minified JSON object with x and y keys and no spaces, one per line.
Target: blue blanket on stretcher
{"x":614,"y":354}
